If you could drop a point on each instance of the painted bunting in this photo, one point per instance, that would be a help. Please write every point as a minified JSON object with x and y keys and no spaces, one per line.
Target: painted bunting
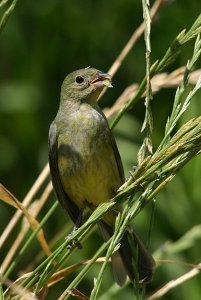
{"x":86,"y":167}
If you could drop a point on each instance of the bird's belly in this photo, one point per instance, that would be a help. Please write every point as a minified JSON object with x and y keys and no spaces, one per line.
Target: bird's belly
{"x":90,"y":180}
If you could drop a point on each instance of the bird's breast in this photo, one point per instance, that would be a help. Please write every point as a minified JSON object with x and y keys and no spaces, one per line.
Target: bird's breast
{"x":86,"y":160}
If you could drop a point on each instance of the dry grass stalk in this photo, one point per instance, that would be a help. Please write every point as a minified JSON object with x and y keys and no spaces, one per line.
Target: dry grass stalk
{"x":158,"y":82}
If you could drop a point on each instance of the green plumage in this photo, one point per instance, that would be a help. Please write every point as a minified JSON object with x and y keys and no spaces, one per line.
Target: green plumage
{"x":85,"y":164}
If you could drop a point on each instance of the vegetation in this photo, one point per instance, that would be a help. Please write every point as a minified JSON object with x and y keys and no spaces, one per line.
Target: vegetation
{"x":159,"y":142}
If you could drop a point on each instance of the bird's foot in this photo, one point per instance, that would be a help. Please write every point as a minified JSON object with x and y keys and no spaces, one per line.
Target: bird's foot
{"x":74,"y":242}
{"x":131,"y":172}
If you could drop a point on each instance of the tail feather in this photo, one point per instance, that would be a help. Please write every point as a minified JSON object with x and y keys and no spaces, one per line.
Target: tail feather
{"x":122,"y":261}
{"x":119,"y":269}
{"x":145,"y":262}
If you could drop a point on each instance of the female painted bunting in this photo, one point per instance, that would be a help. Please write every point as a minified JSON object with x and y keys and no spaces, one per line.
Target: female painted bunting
{"x":86,"y":167}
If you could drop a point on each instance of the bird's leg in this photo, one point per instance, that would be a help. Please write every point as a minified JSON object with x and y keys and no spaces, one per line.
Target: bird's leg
{"x":132,"y":176}
{"x":75,"y":228}
{"x":78,"y":222}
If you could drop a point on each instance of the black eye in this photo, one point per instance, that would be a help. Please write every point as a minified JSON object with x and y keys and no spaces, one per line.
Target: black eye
{"x":79,"y":79}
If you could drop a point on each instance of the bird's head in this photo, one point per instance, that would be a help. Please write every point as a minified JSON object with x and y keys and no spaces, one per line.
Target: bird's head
{"x":84,"y":85}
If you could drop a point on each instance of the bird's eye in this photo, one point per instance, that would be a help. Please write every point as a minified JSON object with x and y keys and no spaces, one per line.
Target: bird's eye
{"x":79,"y":79}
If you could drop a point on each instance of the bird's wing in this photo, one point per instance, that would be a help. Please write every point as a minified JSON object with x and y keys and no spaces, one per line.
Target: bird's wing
{"x":115,"y":150}
{"x":65,"y":201}
{"x":118,"y":159}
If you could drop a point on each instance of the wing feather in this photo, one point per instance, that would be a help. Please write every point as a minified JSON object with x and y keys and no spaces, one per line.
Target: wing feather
{"x":115,"y":150}
{"x":65,"y":201}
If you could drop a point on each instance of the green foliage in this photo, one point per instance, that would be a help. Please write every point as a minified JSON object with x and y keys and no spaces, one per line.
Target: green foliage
{"x":40,"y":44}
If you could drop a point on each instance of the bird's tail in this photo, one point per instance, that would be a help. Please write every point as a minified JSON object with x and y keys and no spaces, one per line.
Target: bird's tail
{"x":124,"y":261}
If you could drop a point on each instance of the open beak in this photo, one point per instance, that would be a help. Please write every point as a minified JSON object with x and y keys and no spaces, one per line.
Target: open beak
{"x":101,"y":80}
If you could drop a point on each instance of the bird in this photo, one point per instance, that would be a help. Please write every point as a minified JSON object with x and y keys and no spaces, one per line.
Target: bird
{"x":86,"y":167}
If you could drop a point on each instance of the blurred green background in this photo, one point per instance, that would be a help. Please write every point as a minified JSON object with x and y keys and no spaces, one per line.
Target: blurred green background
{"x":44,"y":41}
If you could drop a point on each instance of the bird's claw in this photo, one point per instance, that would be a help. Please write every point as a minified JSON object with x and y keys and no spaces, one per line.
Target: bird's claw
{"x":131,"y":172}
{"x":74,"y":242}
